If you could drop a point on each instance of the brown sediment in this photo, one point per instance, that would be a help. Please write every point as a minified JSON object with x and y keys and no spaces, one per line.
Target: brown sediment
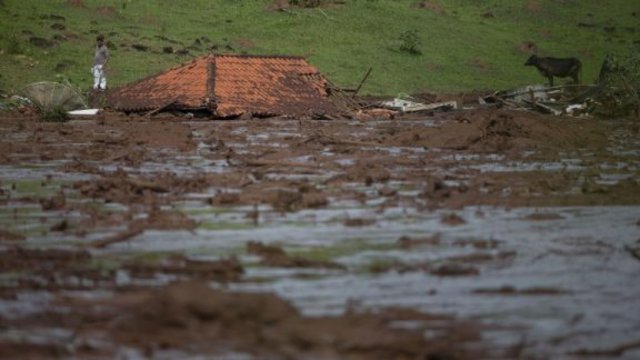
{"x":275,"y":256}
{"x":156,"y":220}
{"x":454,"y":269}
{"x":478,"y":243}
{"x":27,"y":350}
{"x":407,"y":242}
{"x":356,"y":222}
{"x":6,"y":235}
{"x":18,"y":258}
{"x":453,"y":219}
{"x":191,"y":315}
{"x":544,"y":216}
{"x":432,"y":169}
{"x":223,"y":270}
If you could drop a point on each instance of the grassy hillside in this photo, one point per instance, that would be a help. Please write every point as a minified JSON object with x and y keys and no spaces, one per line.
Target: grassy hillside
{"x":461,"y":45}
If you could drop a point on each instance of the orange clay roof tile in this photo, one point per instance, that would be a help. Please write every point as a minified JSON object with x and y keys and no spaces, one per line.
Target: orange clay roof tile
{"x":182,"y":86}
{"x":230,"y":85}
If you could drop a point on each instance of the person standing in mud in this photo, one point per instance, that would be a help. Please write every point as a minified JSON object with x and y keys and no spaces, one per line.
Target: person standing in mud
{"x":100,"y":59}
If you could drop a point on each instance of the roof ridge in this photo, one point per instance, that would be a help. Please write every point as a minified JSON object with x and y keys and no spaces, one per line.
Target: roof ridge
{"x":275,"y":56}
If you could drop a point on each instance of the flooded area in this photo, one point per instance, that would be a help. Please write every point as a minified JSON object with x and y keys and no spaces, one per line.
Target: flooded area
{"x":471,"y":234}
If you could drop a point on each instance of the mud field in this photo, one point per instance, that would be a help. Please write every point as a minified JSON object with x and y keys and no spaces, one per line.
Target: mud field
{"x":464,"y":235}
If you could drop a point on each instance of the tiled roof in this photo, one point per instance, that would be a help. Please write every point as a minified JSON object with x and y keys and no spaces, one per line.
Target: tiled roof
{"x":267,"y":85}
{"x":184,"y":86}
{"x":230,"y":85}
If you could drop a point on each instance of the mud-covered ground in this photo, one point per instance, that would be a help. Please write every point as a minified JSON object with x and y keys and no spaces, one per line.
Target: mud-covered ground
{"x":474,"y":234}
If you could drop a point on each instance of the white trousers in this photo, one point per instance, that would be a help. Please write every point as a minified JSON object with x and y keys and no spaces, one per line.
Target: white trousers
{"x":99,"y":77}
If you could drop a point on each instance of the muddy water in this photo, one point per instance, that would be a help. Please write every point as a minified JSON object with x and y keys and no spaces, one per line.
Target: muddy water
{"x":549,"y":282}
{"x":526,"y":226}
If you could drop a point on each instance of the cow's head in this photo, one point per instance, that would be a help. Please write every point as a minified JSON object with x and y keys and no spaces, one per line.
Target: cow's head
{"x":533,"y":60}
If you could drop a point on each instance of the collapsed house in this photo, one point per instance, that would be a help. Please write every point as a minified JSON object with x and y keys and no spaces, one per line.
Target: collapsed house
{"x":230,"y":86}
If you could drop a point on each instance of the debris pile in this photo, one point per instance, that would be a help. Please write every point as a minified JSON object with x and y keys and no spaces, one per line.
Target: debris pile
{"x":557,"y":100}
{"x":615,"y":94}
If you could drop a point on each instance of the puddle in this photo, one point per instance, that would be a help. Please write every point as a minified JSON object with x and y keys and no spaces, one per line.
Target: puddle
{"x":573,"y":257}
{"x":565,"y":165}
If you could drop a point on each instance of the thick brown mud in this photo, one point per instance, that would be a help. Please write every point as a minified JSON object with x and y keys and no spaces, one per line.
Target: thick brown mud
{"x":461,"y":235}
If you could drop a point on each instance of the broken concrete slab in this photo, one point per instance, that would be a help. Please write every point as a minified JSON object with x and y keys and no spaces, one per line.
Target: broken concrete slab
{"x":404,"y":105}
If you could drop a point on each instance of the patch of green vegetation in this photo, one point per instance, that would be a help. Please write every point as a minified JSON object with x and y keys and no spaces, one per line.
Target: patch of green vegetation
{"x":156,"y":256}
{"x":12,"y":214}
{"x":345,"y":248}
{"x":13,"y":46}
{"x":151,"y":256}
{"x":379,"y":265}
{"x":410,"y":42}
{"x":467,"y":45}
{"x":36,"y":188}
{"x":26,"y":226}
{"x":407,"y":187}
{"x":298,"y":223}
{"x":223,"y":225}
{"x":217,"y":252}
{"x":104,"y":264}
{"x":212,"y":211}
{"x":56,"y":114}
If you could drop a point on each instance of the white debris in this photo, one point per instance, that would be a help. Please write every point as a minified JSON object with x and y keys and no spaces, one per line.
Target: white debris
{"x":84,"y":112}
{"x":410,"y":106}
{"x":573,"y":108}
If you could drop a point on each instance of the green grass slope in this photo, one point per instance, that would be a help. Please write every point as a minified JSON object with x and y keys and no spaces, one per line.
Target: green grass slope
{"x":463,"y":45}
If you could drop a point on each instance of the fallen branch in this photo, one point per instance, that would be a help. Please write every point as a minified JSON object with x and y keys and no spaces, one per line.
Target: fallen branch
{"x":119,"y":237}
{"x":157,"y":110}
{"x":362,"y":82}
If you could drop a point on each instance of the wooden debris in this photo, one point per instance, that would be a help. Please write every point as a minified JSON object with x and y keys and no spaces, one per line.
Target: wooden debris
{"x":362,"y":82}
{"x":117,"y":238}
{"x":158,"y":109}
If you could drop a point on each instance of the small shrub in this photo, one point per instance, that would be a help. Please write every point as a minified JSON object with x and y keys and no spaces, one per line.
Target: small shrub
{"x":56,"y":114}
{"x":620,"y":83}
{"x":306,"y":3}
{"x":410,"y":42}
{"x":13,"y":46}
